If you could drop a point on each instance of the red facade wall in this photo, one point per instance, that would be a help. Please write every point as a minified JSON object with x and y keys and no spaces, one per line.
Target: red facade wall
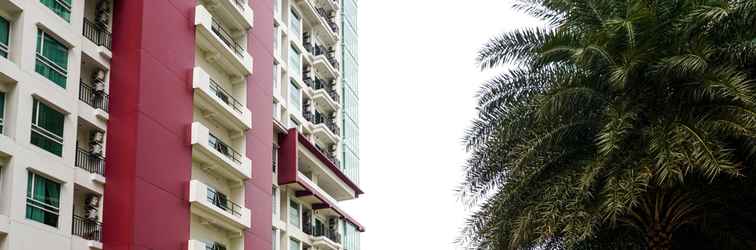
{"x":258,"y":190}
{"x":149,"y":157}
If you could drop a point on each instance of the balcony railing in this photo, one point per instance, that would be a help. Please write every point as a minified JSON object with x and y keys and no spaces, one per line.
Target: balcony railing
{"x":225,"y":96}
{"x":308,"y":228}
{"x":97,"y":34}
{"x":224,"y":149}
{"x":331,"y":155}
{"x":332,"y":126}
{"x":328,"y":16}
{"x":87,"y":229}
{"x":319,"y":118}
{"x":331,"y":56}
{"x":240,"y":3}
{"x":96,"y":99}
{"x":227,"y":38}
{"x":214,"y":246}
{"x":90,"y":162}
{"x":221,"y":201}
{"x":328,"y":233}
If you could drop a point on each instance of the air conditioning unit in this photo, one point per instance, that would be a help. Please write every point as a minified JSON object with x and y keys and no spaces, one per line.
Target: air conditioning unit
{"x":93,"y":201}
{"x":97,"y":137}
{"x":99,"y":87}
{"x":99,"y":76}
{"x":96,"y":149}
{"x":92,"y":207}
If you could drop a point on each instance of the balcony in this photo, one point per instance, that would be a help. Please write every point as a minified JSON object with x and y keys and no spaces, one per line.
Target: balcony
{"x":200,"y":245}
{"x":89,"y":230}
{"x":92,"y":163}
{"x":94,"y":97}
{"x":98,"y":34}
{"x":315,"y":15}
{"x":323,"y":126}
{"x":325,"y":94}
{"x":217,"y":208}
{"x":213,"y":38}
{"x":325,"y":238}
{"x":237,"y":12}
{"x":218,"y":104}
{"x":217,"y":156}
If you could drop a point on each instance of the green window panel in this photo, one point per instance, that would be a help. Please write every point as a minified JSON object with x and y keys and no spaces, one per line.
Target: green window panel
{"x":294,"y":244}
{"x":61,"y":7}
{"x":295,"y":62}
{"x":295,"y":25}
{"x":47,"y":128}
{"x":52,"y":59}
{"x":294,"y":214}
{"x":295,"y":98}
{"x":42,"y":200}
{"x":4,"y":37}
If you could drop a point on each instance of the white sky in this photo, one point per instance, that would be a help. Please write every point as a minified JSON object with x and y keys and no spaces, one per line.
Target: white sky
{"x":417,"y":83}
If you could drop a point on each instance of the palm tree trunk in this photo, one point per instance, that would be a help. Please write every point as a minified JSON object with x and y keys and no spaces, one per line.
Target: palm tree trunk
{"x":659,"y":237}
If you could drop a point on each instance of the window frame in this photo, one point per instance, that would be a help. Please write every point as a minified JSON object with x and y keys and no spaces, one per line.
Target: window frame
{"x":294,"y":204}
{"x":51,"y":208}
{"x":44,"y":132}
{"x":41,"y":59}
{"x":67,"y":7}
{"x":5,"y":45}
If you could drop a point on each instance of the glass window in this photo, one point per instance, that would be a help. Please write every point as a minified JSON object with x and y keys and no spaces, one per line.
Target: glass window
{"x":60,"y":7}
{"x":212,"y":245}
{"x":295,"y":99}
{"x":276,"y":79}
{"x":295,"y":63}
{"x":52,"y":59}
{"x":42,"y":200}
{"x":294,"y":214}
{"x":4,"y":37}
{"x":293,"y":244}
{"x":293,"y":123}
{"x":275,"y":199}
{"x":295,"y":25}
{"x":47,"y":128}
{"x":2,"y":112}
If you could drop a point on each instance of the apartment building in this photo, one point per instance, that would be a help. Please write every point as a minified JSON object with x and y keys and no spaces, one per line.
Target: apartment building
{"x":310,"y":175}
{"x":144,"y":124}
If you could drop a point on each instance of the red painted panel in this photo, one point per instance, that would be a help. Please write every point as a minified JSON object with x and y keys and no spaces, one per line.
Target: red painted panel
{"x":287,"y":157}
{"x":259,"y":139}
{"x":149,"y":160}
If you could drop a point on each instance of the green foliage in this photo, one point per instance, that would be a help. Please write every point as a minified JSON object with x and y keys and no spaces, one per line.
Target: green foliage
{"x":618,"y":111}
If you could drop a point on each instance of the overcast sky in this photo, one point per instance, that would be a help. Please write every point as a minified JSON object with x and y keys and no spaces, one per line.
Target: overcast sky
{"x":417,"y":83}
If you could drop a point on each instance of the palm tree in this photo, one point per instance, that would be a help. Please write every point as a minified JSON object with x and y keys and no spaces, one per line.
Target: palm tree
{"x":613,"y":127}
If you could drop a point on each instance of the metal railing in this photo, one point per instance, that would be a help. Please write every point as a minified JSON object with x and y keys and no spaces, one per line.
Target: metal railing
{"x":227,"y":38}
{"x":97,"y":34}
{"x":87,"y":229}
{"x":90,"y":162}
{"x":224,"y":149}
{"x":225,"y":96}
{"x":240,"y":3}
{"x":332,"y":126}
{"x":214,"y":246}
{"x":308,"y":228}
{"x":328,"y":233}
{"x":328,"y":16}
{"x":331,"y":56}
{"x":95,"y":99}
{"x":221,"y":201}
